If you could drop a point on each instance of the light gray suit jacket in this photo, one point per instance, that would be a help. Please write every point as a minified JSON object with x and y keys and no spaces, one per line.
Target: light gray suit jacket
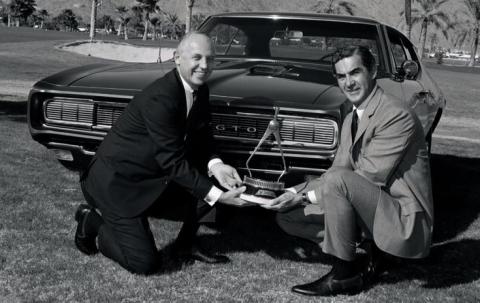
{"x":389,"y":150}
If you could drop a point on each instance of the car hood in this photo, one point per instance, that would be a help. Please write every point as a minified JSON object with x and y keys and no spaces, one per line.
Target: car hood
{"x":275,"y":83}
{"x":262,"y":83}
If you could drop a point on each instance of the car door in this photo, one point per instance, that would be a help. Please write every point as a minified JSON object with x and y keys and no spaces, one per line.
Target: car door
{"x":419,"y":91}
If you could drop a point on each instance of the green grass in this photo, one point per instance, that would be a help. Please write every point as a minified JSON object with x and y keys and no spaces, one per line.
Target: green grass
{"x":38,"y":198}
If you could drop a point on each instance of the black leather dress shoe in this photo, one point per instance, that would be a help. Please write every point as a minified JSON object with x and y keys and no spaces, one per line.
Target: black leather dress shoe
{"x":328,"y":286}
{"x":196,"y":253}
{"x":84,"y":242}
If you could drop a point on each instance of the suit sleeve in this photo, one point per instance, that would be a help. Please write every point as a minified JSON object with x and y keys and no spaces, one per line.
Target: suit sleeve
{"x":161,"y":115}
{"x":382,"y":153}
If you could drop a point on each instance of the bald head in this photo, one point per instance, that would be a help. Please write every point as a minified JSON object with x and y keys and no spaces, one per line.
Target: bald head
{"x":194,"y":58}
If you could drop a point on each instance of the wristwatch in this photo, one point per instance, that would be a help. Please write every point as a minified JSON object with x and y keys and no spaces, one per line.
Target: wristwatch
{"x":305,"y":198}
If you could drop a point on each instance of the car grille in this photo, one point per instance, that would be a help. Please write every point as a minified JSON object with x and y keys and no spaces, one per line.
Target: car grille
{"x":82,"y":112}
{"x":314,"y":132}
{"x":295,"y":129}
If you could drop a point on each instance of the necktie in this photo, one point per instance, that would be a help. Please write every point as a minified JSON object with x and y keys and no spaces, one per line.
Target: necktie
{"x":354,"y":124}
{"x":192,"y":102}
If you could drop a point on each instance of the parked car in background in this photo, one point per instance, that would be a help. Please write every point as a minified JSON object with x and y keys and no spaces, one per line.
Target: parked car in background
{"x":265,"y":62}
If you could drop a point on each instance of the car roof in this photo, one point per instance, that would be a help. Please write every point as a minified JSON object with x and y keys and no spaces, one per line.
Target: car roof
{"x":303,"y":16}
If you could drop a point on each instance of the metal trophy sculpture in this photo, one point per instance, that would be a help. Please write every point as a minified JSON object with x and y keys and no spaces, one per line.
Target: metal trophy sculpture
{"x":262,"y":188}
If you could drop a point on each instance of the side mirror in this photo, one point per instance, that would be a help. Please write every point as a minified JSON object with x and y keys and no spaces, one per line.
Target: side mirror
{"x":410,"y":69}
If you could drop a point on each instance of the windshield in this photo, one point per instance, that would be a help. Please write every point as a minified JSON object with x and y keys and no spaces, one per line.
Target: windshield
{"x":288,"y":39}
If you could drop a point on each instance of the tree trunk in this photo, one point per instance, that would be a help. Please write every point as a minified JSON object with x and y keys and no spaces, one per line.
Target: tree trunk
{"x":93,"y":18}
{"x":125,"y":32}
{"x":408,"y":17}
{"x":423,"y":38}
{"x":474,"y":45}
{"x":9,"y":20}
{"x":145,"y":33}
{"x":119,"y":32}
{"x":41,"y":24}
{"x":188,"y":18}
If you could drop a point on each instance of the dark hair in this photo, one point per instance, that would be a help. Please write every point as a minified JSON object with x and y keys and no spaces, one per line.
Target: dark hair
{"x":365,"y":54}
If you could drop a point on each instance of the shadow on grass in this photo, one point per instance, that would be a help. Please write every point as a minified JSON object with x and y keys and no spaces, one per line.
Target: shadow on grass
{"x":448,"y":264}
{"x":456,"y":193}
{"x":15,"y":111}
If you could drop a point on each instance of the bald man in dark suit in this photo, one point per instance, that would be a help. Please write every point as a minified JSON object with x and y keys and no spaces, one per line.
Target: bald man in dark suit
{"x":156,"y":157}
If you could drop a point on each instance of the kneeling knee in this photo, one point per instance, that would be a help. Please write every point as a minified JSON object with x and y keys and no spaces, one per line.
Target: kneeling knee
{"x":147,"y":266}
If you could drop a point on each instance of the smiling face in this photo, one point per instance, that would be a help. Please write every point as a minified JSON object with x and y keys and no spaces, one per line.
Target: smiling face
{"x":354,"y":79}
{"x":194,"y":59}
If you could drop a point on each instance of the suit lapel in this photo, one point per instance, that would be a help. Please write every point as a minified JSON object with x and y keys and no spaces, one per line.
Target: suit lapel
{"x":368,"y":113}
{"x":363,"y":124}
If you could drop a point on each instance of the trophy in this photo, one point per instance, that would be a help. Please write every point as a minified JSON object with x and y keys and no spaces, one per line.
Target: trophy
{"x":262,"y":188}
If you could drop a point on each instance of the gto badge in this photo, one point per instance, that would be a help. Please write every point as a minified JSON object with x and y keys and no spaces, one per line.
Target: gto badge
{"x":235,"y":128}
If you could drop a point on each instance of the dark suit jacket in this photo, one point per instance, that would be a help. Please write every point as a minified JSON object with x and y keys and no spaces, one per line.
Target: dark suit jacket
{"x":152,"y":144}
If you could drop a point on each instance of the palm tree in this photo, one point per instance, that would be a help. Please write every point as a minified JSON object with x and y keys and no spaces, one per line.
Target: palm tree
{"x":148,"y":7}
{"x":42,"y":16}
{"x":188,"y":19}
{"x":334,"y":7}
{"x":172,"y":19}
{"x":429,"y":12}
{"x":93,"y":18}
{"x":155,"y":21}
{"x":433,"y":41}
{"x":123,"y":17}
{"x":469,"y":27}
{"x":408,"y":17}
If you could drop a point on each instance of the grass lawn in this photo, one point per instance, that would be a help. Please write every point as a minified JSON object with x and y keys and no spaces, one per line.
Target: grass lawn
{"x":38,"y":198}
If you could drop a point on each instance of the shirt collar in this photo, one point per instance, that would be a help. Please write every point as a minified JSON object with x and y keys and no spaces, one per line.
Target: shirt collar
{"x":364,"y":104}
{"x":186,"y":86}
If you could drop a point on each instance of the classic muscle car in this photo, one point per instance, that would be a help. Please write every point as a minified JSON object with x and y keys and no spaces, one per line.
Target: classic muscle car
{"x":265,"y":63}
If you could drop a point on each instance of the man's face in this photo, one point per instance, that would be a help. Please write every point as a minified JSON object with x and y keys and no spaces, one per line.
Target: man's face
{"x":354,"y":79}
{"x":195,"y":60}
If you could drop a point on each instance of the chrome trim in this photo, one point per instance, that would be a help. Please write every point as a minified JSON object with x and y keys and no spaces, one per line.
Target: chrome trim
{"x":93,"y":112}
{"x":60,"y":92}
{"x":313,"y":155}
{"x":70,"y":147}
{"x":289,"y":125}
{"x":278,"y":172}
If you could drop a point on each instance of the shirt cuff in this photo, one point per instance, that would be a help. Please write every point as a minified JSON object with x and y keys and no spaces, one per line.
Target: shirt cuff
{"x":291,"y":189}
{"x":312,"y":197}
{"x":213,"y":162}
{"x":213,"y":195}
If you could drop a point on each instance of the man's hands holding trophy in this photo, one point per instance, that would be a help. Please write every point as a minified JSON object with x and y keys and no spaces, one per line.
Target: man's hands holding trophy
{"x":229,"y":179}
{"x":268,"y":194}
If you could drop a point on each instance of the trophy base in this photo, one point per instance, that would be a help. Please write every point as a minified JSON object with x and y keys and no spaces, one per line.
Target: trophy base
{"x":262,"y":188}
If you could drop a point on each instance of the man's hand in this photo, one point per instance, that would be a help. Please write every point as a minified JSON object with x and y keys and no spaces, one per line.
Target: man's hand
{"x":232,"y":197}
{"x":284,"y":202}
{"x":226,"y":176}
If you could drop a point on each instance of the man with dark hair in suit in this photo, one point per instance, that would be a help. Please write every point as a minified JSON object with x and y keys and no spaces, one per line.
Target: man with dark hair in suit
{"x":155,"y":159}
{"x":378,"y":187}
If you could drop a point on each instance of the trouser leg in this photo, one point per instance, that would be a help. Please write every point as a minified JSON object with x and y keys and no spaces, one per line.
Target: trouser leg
{"x":129,"y":241}
{"x":305,"y":221}
{"x":350,"y":203}
{"x":177,"y":205}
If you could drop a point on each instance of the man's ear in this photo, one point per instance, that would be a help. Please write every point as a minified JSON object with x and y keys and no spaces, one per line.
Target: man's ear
{"x":374,"y":72}
{"x":176,"y":57}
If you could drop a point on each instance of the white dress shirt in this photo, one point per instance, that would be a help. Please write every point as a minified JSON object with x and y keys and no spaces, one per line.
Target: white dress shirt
{"x":215,"y":192}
